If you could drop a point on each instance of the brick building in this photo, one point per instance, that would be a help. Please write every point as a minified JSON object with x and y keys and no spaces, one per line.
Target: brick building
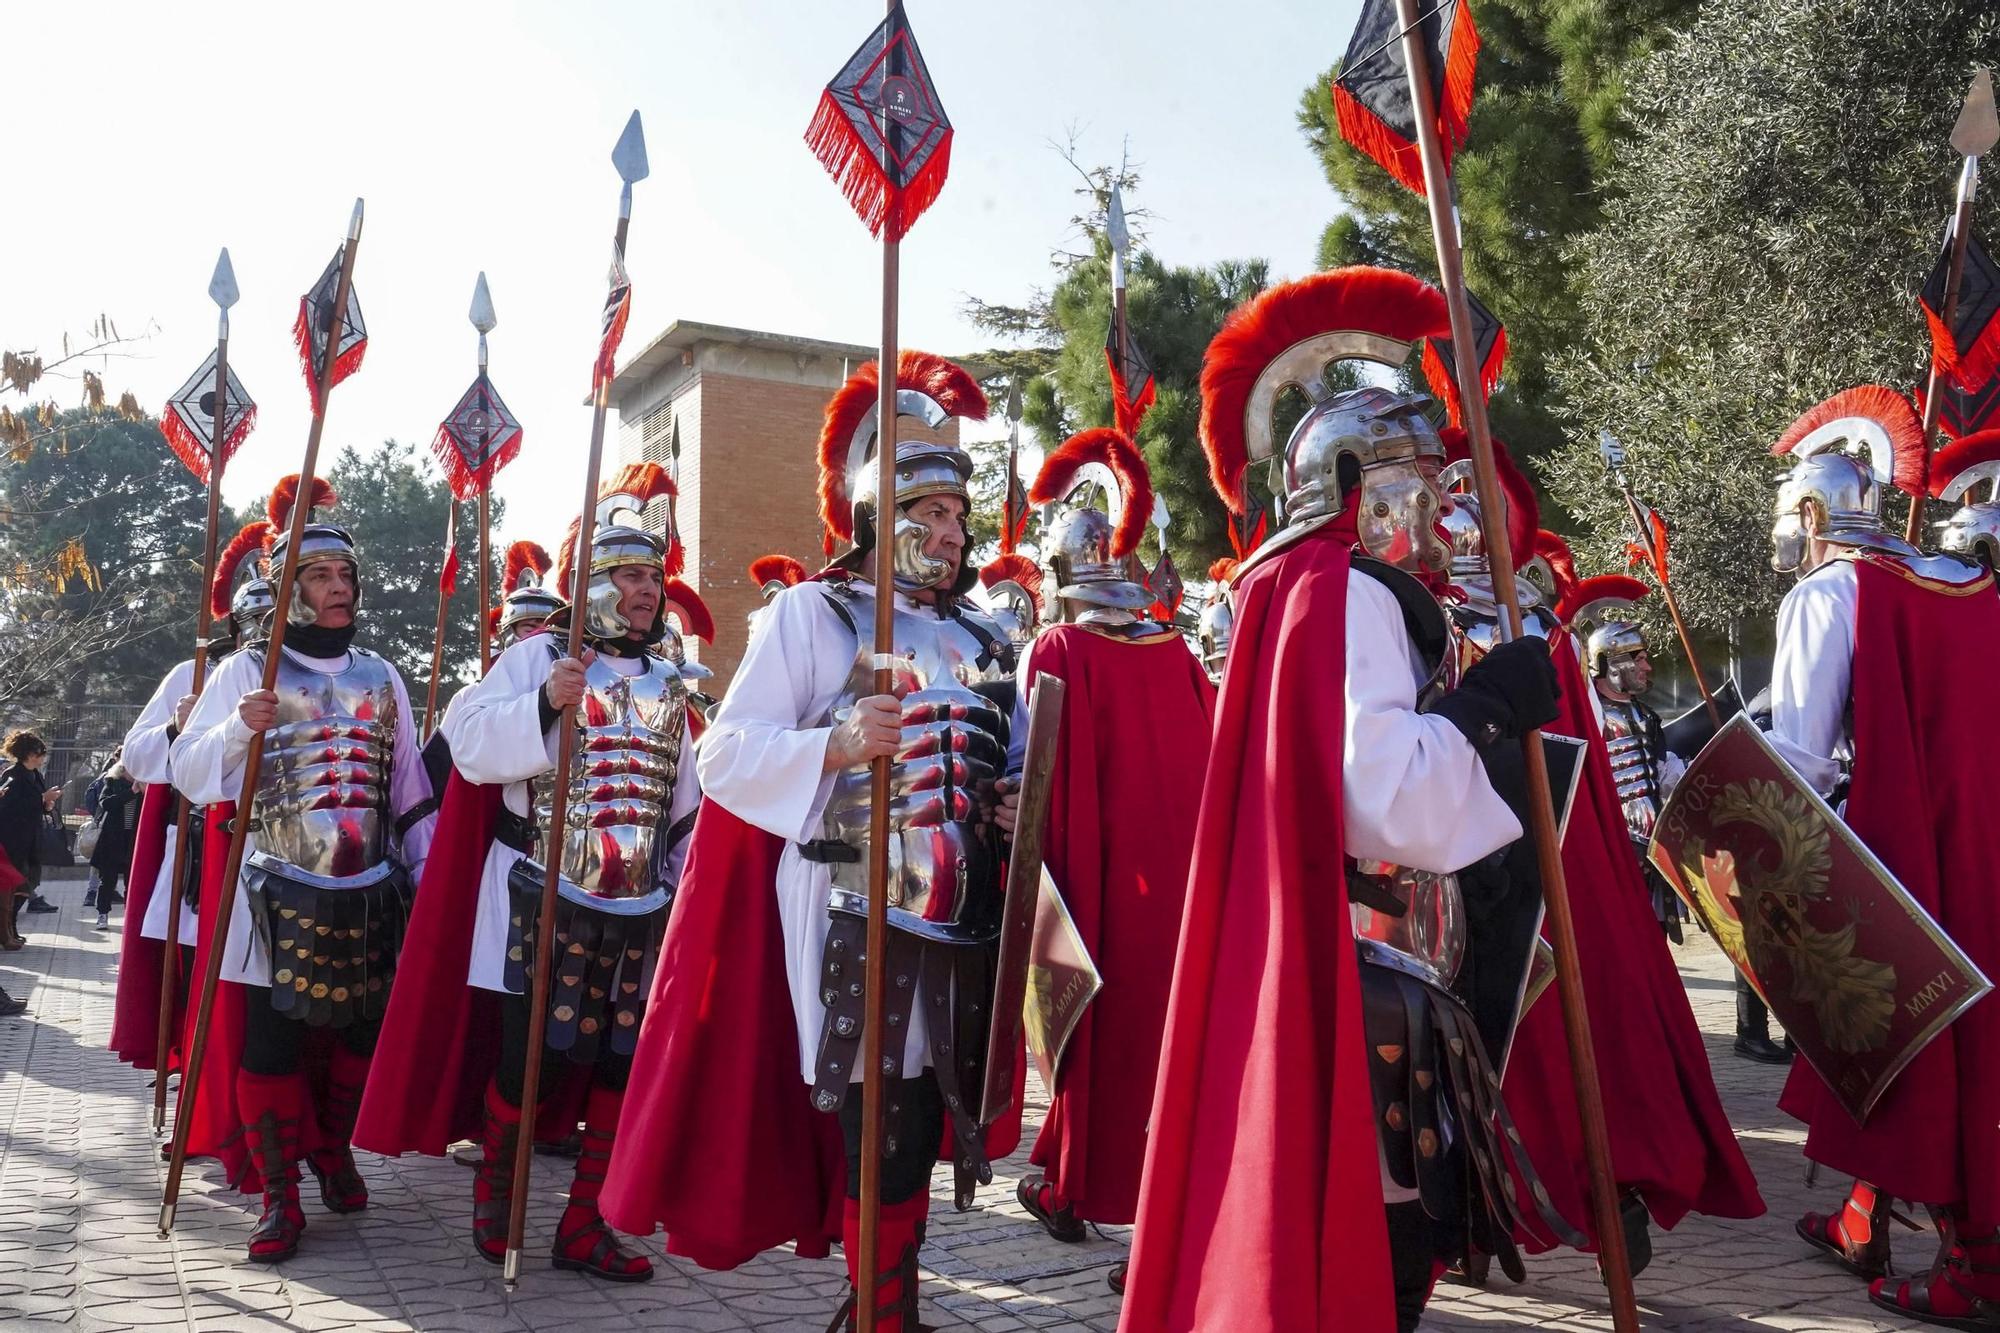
{"x":748,"y":407}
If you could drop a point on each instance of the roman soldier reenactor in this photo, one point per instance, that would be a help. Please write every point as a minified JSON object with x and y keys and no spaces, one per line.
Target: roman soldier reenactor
{"x":525,"y":604}
{"x":751,"y":1059}
{"x":325,"y":886}
{"x":1217,"y":618}
{"x":1126,"y":793}
{"x":239,"y":615}
{"x":1012,"y":585}
{"x":773,"y":574}
{"x":1867,"y":697}
{"x":454,"y":1051}
{"x":1269,"y":1160}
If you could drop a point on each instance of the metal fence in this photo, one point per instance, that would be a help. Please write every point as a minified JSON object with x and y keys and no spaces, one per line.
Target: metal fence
{"x":80,"y":741}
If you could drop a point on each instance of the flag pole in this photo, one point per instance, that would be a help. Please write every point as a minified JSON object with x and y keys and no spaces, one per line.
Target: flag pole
{"x":485,"y":320}
{"x":222,"y":289}
{"x":630,"y":158}
{"x":1614,"y":459}
{"x":1973,"y":136}
{"x":444,"y":601}
{"x":1612,"y":1258}
{"x":239,"y":824}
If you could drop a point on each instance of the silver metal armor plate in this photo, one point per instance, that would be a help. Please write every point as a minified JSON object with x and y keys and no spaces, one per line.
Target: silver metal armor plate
{"x":323,"y":789}
{"x":1635,"y":769}
{"x":944,"y":880}
{"x":1475,"y":615}
{"x":1429,"y":935}
{"x":629,"y":735}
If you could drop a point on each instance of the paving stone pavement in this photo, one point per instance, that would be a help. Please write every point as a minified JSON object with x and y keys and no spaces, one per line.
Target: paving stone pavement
{"x":80,"y":1181}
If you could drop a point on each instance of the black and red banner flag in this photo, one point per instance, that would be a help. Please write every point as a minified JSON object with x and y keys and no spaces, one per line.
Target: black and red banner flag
{"x":1489,"y":337}
{"x":1970,"y":352}
{"x":315,"y":325}
{"x":881,"y":131}
{"x":1371,"y":94}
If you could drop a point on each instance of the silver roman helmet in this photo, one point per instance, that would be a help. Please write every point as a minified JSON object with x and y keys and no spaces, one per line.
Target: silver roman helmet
{"x":1602,"y":611}
{"x":238,"y":613}
{"x":525,"y":605}
{"x":1013,"y":594}
{"x":1846,"y":450}
{"x":617,"y":539}
{"x":1218,"y":618}
{"x":1471,"y":601}
{"x":1973,"y":531}
{"x":1099,"y":482}
{"x":317,"y":541}
{"x":930,"y":393}
{"x":1372,"y":438}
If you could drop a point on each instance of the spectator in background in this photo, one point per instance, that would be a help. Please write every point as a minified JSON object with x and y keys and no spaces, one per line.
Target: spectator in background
{"x":117,"y":822}
{"x":25,"y":800}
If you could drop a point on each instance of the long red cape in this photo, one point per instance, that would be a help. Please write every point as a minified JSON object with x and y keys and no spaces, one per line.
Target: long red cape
{"x":135,"y":1012}
{"x":1127,"y":791}
{"x":1670,"y":1139}
{"x":1921,"y":800}
{"x":718,"y":1141}
{"x":1261,"y":1207}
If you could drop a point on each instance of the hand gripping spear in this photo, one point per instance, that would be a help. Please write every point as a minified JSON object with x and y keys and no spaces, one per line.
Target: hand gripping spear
{"x":1974,"y":135}
{"x":221,"y":290}
{"x":1653,"y":543}
{"x":630,"y":159}
{"x":239,"y":825}
{"x":1612,"y":1258}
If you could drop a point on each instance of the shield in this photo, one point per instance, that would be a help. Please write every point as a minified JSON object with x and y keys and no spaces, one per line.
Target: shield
{"x":1686,"y":734}
{"x":1062,"y":981}
{"x":1860,"y":975}
{"x":1017,"y":912}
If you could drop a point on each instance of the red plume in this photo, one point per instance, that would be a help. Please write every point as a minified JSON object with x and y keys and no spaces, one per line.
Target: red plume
{"x":1881,"y":405}
{"x":777,"y":568}
{"x":1524,"y":511}
{"x":686,"y":603}
{"x":1378,"y":300}
{"x":1101,"y":444}
{"x":647,"y":481}
{"x":1013,"y":565}
{"x":523,"y":558}
{"x":493,"y":622}
{"x":286,"y":493}
{"x":1556,"y":551}
{"x":947,"y":384}
{"x":1617,"y":587}
{"x":1222,"y":570}
{"x":1968,"y":451}
{"x":223,"y":590}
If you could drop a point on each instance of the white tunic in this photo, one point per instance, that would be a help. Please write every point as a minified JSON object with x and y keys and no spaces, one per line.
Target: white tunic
{"x":146,"y":758}
{"x":208,"y":767}
{"x":495,"y":732}
{"x":1812,"y":673}
{"x":763,"y":757}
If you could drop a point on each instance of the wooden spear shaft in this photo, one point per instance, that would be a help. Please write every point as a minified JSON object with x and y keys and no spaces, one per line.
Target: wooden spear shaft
{"x":1673,"y":602}
{"x":239,"y":824}
{"x":183,"y":808}
{"x":1612,"y":1259}
{"x":1936,"y":386}
{"x":485,"y":567}
{"x":437,"y":639}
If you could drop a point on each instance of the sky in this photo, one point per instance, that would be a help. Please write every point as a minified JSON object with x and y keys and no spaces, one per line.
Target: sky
{"x":480,"y":136}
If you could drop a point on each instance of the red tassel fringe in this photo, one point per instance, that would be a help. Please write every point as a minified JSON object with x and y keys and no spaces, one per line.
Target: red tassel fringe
{"x":1974,"y":368}
{"x":344,"y":365}
{"x":194,"y":452}
{"x":466,"y":482}
{"x":1444,"y":387}
{"x":887,"y":212}
{"x":1126,"y":411}
{"x":1390,"y":150}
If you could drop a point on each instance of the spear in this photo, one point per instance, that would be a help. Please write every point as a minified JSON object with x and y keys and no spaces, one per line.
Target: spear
{"x":222,"y":291}
{"x":239,"y":825}
{"x":485,"y":321}
{"x":1120,"y":237}
{"x":447,"y":584}
{"x":1974,"y":135}
{"x":1654,"y":544}
{"x":629,"y":156}
{"x":1612,"y":1258}
{"x":1008,"y":513}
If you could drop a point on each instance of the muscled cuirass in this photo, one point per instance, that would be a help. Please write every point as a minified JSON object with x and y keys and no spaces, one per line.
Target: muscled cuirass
{"x":1635,"y":769}
{"x":629,"y":733}
{"x":944,"y":880}
{"x":323,"y":787}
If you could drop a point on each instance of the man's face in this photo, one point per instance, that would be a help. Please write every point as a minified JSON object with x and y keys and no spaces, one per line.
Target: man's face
{"x":1637,"y":674}
{"x":639,"y":591}
{"x":944,"y":516}
{"x":328,"y":588}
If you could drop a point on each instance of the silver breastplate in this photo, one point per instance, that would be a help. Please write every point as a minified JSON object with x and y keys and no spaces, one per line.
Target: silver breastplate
{"x":323,"y":788}
{"x":1634,"y":768}
{"x":629,"y":733}
{"x":1431,"y":931}
{"x":943,"y":861}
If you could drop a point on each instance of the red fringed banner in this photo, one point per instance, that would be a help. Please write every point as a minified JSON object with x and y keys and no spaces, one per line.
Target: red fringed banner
{"x":1371,"y":94}
{"x":1489,"y":337}
{"x":1961,"y":413}
{"x":1164,"y":582}
{"x":617,"y":312}
{"x":188,"y":423}
{"x":314,"y":324}
{"x":478,"y":439}
{"x":881,"y":132}
{"x":1650,"y":551}
{"x":1128,"y":404}
{"x":1014,"y":520}
{"x":448,"y":576}
{"x":1970,"y":352}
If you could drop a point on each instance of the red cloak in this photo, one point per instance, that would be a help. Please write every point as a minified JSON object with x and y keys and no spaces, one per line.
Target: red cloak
{"x":1670,"y":1138}
{"x":1261,"y":1206}
{"x":135,"y":1013}
{"x":718,"y":1141}
{"x":1921,"y":798}
{"x":1127,"y":792}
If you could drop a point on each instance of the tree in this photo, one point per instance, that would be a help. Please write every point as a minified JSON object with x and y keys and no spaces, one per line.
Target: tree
{"x":1778,"y":211}
{"x":1545,"y":126}
{"x":1172,"y":310}
{"x":393,"y":502}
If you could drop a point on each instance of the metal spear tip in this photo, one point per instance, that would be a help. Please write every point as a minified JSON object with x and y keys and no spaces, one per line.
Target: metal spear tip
{"x":354,"y":223}
{"x":1608,"y":447}
{"x":1161,"y":518}
{"x":481,"y":314}
{"x":222,"y":287}
{"x":1978,"y":127}
{"x":1114,"y":222}
{"x":1014,"y":401}
{"x":630,"y":154}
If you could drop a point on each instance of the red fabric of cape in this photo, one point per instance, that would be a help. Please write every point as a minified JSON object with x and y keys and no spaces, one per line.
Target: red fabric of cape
{"x":1921,"y":799}
{"x":1670,"y":1138}
{"x":1127,"y":792}
{"x":135,"y":1013}
{"x":1261,"y":1207}
{"x":718,"y":1141}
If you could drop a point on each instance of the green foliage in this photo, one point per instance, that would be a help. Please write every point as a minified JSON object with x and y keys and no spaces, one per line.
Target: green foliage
{"x":1775,"y":217}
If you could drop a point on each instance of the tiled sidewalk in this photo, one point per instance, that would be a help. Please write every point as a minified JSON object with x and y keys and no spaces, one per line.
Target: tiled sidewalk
{"x":80,"y":1181}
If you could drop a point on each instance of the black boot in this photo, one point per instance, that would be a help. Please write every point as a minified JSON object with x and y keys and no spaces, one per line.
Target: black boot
{"x":1410,"y":1256}
{"x":1753,"y":1027}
